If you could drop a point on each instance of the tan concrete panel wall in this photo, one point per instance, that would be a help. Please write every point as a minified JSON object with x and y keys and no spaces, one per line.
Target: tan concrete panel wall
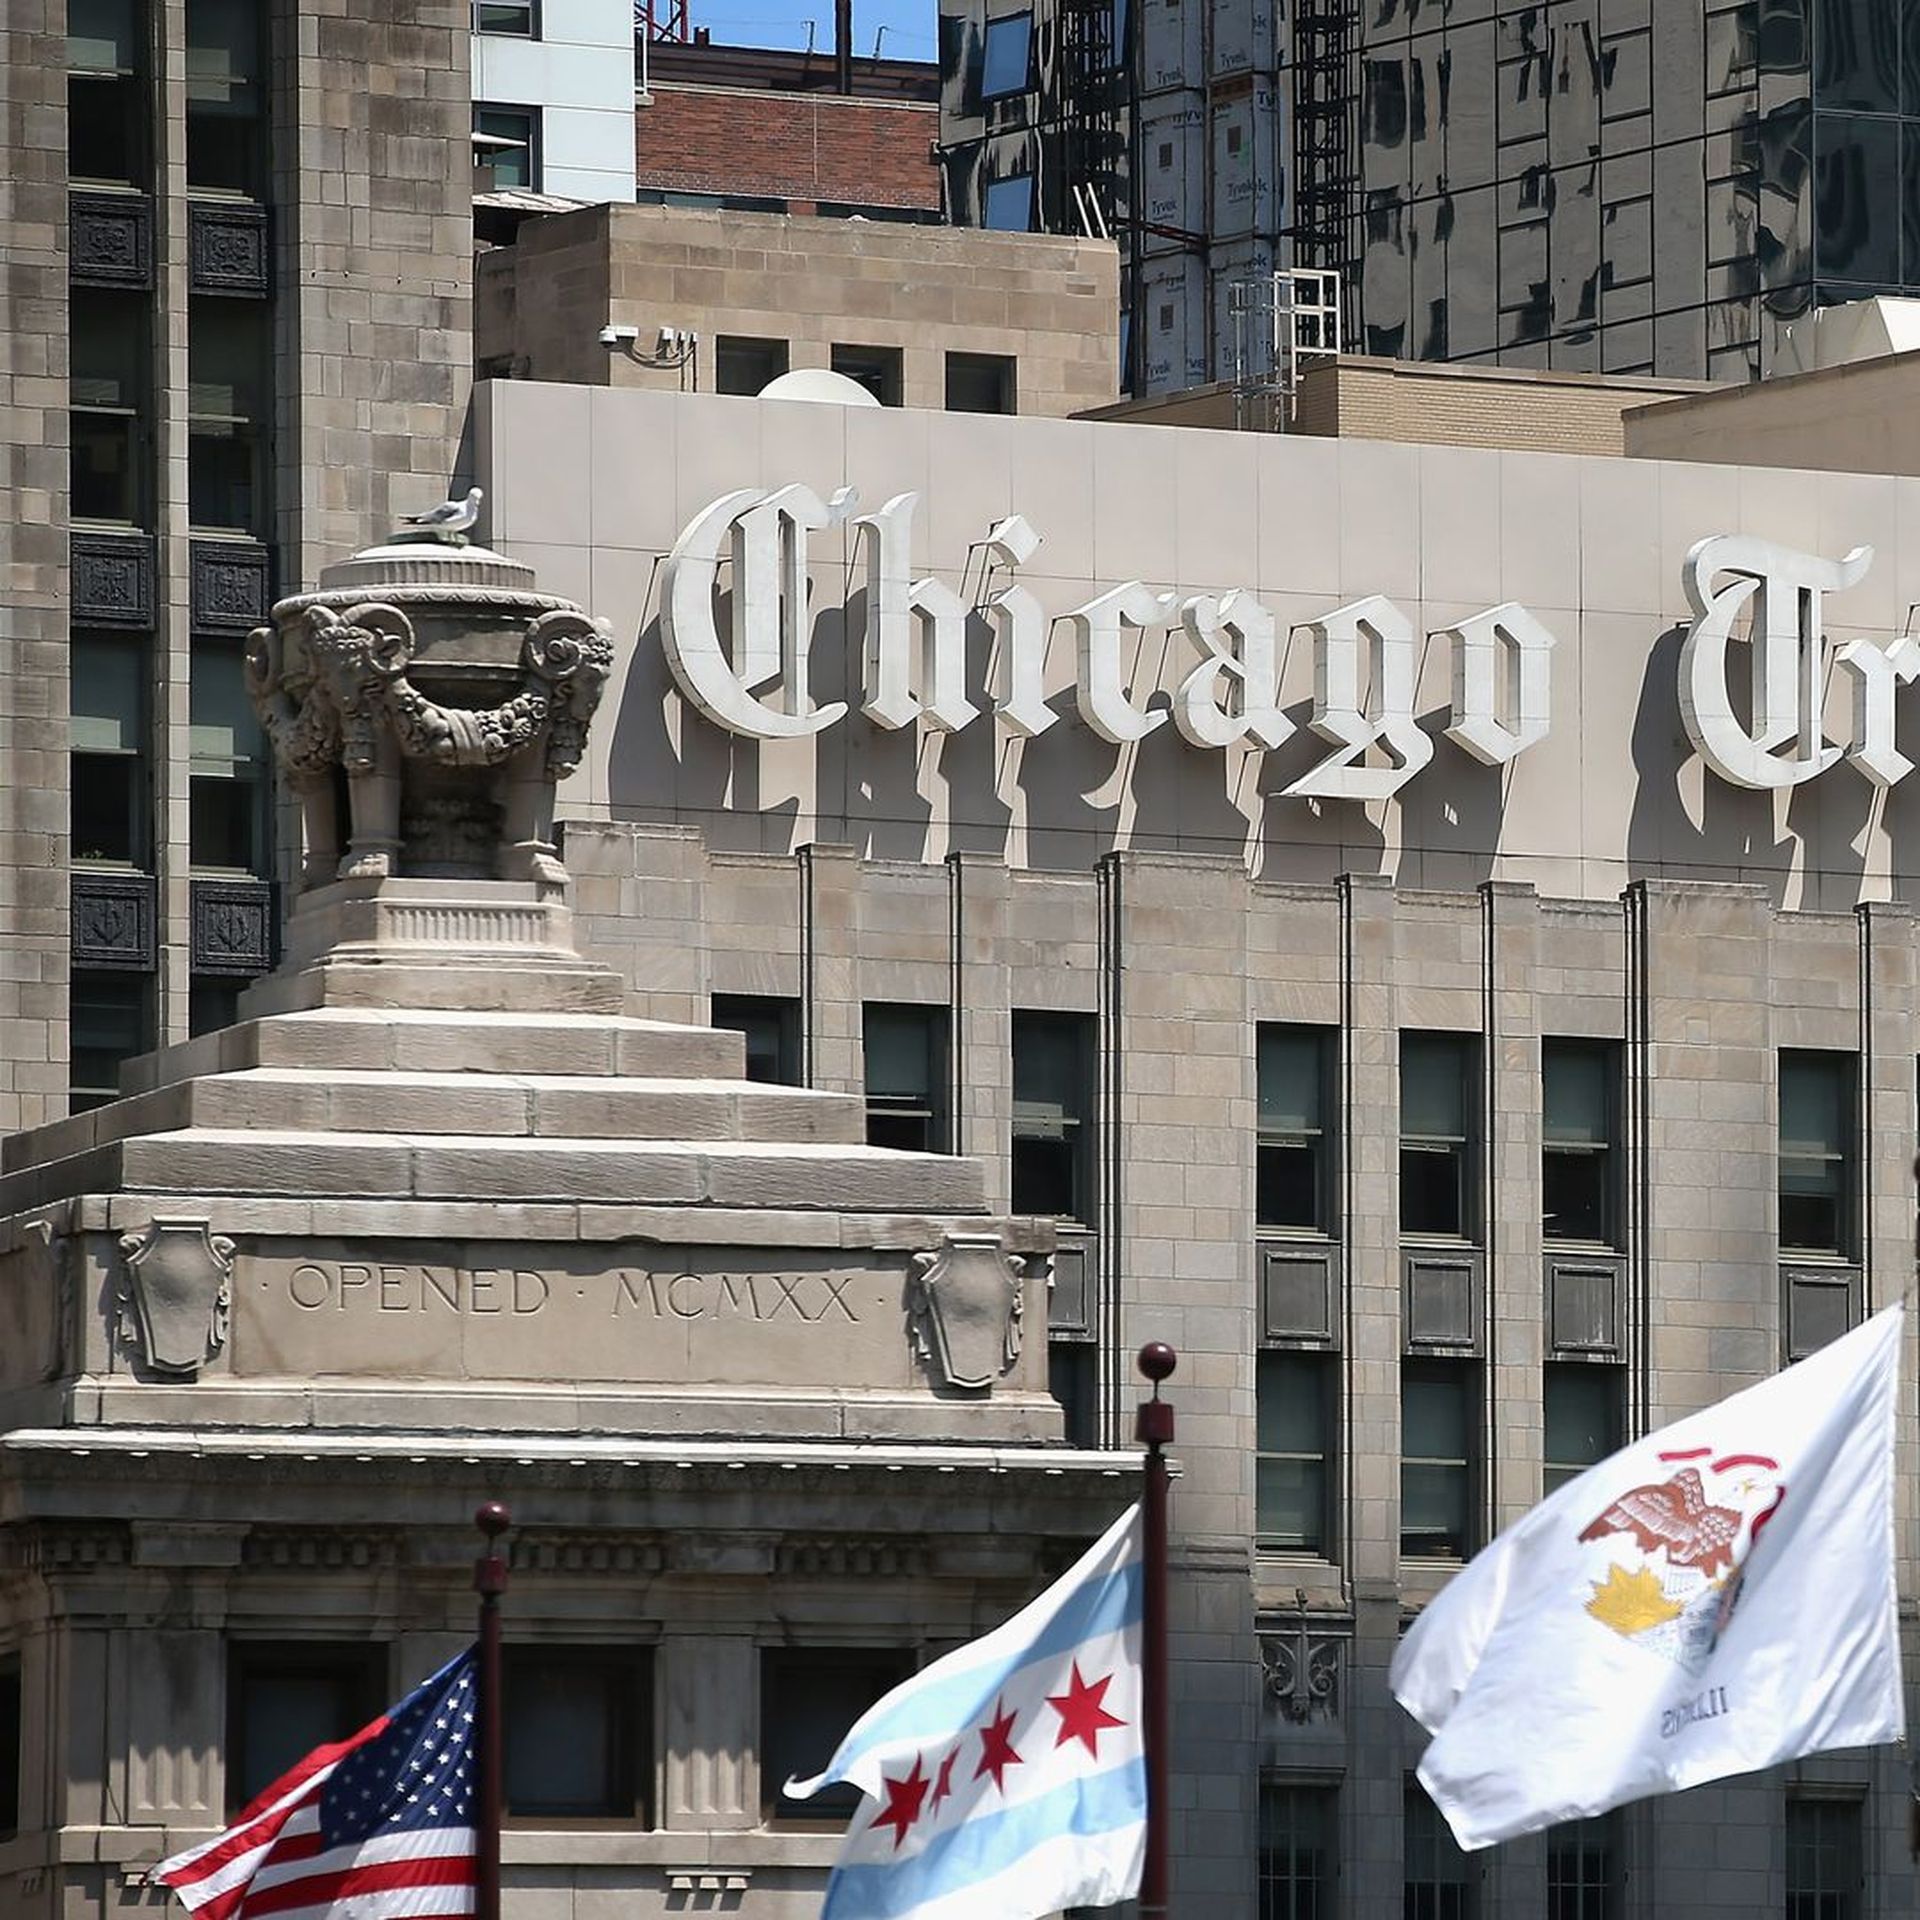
{"x":1853,"y":419}
{"x":593,"y":487}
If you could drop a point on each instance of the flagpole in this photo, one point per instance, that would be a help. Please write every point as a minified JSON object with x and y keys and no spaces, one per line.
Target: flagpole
{"x":490,"y":1582}
{"x":1153,"y":1428}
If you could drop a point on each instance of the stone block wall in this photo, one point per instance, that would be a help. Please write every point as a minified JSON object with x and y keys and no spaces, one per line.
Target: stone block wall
{"x":1050,"y":303}
{"x":375,"y":279}
{"x":33,"y":562}
{"x":1698,"y":986}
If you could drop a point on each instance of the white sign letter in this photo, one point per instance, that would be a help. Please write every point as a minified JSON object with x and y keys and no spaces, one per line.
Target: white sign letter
{"x":1875,"y":672}
{"x":1104,"y":705}
{"x":1234,"y":694}
{"x":1502,"y":652}
{"x":916,"y":650}
{"x":1022,"y":630}
{"x":1379,"y":627}
{"x":1788,"y":665}
{"x":772,"y":626}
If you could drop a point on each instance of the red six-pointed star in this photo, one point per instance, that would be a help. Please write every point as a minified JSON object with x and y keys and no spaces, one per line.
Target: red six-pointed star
{"x":1082,"y":1716}
{"x":903,"y":1802}
{"x":996,"y":1747}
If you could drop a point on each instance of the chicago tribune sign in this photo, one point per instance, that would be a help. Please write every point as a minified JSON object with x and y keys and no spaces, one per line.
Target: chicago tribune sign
{"x":753,"y":680}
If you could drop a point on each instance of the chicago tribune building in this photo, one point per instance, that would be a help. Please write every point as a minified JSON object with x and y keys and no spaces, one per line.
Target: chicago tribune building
{"x":937,"y":901}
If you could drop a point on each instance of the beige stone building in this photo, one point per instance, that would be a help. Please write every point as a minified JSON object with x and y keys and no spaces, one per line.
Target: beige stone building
{"x":239,"y":289}
{"x":1463,"y":1077}
{"x":689,"y":300}
{"x":1457,"y":1107}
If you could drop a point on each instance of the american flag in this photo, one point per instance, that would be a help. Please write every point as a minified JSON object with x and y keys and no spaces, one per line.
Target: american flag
{"x":370,"y":1828}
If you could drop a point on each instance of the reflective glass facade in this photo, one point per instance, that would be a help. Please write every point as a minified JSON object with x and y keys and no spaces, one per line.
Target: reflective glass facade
{"x":1599,"y":186}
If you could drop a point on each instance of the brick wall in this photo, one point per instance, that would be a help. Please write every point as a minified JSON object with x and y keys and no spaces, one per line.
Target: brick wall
{"x":791,"y":146}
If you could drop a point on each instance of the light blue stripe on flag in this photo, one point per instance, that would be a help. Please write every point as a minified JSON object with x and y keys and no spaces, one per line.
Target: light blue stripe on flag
{"x":989,"y":1844}
{"x":944,"y":1708}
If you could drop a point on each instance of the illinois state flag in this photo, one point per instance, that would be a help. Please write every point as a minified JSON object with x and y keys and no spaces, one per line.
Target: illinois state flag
{"x":1008,"y":1778}
{"x":1715,"y":1598}
{"x":373,"y":1828}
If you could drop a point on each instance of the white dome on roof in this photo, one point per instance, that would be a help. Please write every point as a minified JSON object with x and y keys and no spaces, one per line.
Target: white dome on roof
{"x":818,"y":383}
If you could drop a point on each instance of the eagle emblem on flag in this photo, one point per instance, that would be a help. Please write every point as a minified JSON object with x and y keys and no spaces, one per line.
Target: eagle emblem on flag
{"x":1669,"y":1553}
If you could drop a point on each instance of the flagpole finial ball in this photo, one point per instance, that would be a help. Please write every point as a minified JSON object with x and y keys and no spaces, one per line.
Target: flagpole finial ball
{"x":1157,"y":1361}
{"x":492,"y":1519}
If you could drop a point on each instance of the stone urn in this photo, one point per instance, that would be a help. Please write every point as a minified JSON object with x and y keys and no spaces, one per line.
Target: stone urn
{"x":422,"y":704}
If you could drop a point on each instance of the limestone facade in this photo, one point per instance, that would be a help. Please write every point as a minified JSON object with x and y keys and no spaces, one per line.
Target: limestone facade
{"x":263,"y":216}
{"x":1602,"y":897}
{"x":798,"y":291}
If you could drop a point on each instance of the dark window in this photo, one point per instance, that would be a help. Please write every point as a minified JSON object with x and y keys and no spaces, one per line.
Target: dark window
{"x":1006,"y":57}
{"x":771,"y":1023}
{"x":1582,"y":1415}
{"x":1823,"y":1857}
{"x":227,"y":779}
{"x":12,"y":1733}
{"x":106,"y":92}
{"x":875,"y":368}
{"x":287,"y":1698}
{"x":108,"y":804}
{"x":506,"y":148}
{"x":1052,"y":1113}
{"x":745,"y":365}
{"x":110,"y":1020}
{"x":809,"y":1698}
{"x":1008,"y":206}
{"x":226,"y":97}
{"x":1816,"y":1152}
{"x":108,"y":402}
{"x":1297,"y":1851}
{"x":1437,"y":1458}
{"x":1583,"y":1870}
{"x":519,"y":17}
{"x":980,"y":383}
{"x":1293,"y":1450}
{"x":906,"y":1071}
{"x":212,"y":1004}
{"x":1293,"y":1171}
{"x":227,"y":414}
{"x":1439,"y":1877}
{"x":1578,"y":1165}
{"x":1437,"y":1134}
{"x":578,"y":1727}
{"x":1073,"y":1381}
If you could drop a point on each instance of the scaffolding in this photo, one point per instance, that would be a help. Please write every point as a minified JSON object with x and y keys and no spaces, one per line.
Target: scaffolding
{"x":1091,"y":92}
{"x":1282,"y":323}
{"x":1326,"y":173}
{"x":655,"y":20}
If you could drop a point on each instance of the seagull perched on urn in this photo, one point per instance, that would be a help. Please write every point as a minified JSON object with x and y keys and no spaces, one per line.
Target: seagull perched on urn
{"x":451,"y":518}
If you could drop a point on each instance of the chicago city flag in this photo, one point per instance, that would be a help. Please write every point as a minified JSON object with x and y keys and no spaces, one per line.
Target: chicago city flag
{"x":1715,"y":1598}
{"x":372,"y":1828}
{"x":1008,"y":1778}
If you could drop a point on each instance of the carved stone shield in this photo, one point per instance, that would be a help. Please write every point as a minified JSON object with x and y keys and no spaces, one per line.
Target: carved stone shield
{"x":967,"y":1306}
{"x":177,"y":1294}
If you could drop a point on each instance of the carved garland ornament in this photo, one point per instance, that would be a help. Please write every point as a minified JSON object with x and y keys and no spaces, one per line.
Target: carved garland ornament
{"x":359,"y":662}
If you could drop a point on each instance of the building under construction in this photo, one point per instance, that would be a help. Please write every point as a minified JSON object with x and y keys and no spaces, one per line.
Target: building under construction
{"x":1486,"y":188}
